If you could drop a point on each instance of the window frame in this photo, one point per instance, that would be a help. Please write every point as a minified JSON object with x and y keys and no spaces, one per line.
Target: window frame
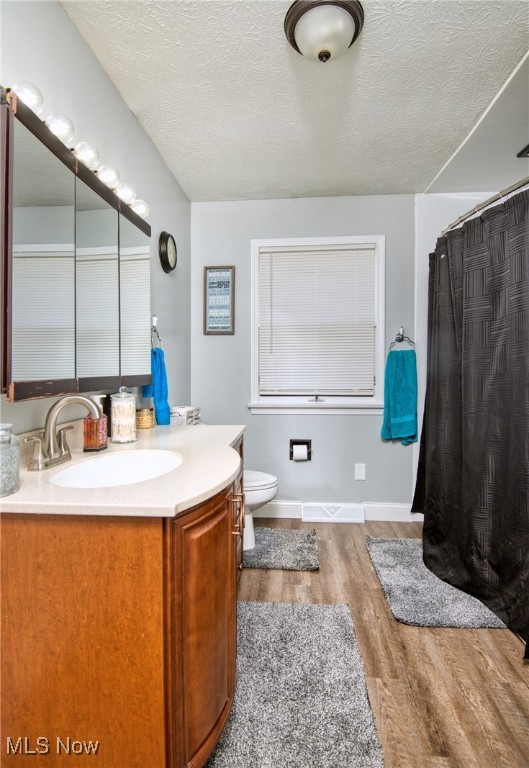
{"x":284,"y":404}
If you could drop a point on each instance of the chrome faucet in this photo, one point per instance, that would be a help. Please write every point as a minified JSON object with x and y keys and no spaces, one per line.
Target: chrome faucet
{"x":51,"y":446}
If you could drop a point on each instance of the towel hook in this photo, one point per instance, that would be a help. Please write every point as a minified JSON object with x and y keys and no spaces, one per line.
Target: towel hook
{"x":154,"y":333}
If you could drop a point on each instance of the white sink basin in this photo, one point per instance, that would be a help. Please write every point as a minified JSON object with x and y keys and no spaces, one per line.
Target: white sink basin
{"x":123,"y":468}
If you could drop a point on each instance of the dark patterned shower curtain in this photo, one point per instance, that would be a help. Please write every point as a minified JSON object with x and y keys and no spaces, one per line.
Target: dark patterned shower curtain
{"x":473,"y":475}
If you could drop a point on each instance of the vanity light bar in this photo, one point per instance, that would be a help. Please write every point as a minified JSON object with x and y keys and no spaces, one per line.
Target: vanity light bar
{"x":62,"y":127}
{"x":38,"y":127}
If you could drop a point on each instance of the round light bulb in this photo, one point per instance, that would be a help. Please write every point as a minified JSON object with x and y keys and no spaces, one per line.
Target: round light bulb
{"x":108,"y":175}
{"x":61,"y":126}
{"x":87,"y":154}
{"x":141,"y":208}
{"x":126,"y":193}
{"x":30,"y":95}
{"x":325,"y":32}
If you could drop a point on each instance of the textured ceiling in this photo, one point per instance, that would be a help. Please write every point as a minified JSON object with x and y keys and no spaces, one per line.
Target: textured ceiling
{"x":236,"y":113}
{"x":490,"y":152}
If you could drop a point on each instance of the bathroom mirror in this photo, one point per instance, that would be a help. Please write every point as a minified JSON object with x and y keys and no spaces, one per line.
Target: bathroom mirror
{"x":96,"y":284}
{"x":135,"y":300}
{"x":43,"y":263}
{"x":76,"y":305}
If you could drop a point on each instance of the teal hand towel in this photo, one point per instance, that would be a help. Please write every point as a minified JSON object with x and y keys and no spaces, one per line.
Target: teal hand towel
{"x":400,"y":397}
{"x":158,"y":389}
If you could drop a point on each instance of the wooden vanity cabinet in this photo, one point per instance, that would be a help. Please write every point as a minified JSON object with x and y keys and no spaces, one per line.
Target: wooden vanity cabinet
{"x":120,"y":631}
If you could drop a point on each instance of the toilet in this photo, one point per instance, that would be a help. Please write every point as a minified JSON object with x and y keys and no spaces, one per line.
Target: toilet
{"x":259,"y":489}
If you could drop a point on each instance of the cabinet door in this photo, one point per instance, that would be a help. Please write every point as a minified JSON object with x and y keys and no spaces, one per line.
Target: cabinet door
{"x":208,"y":626}
{"x":82,"y":642}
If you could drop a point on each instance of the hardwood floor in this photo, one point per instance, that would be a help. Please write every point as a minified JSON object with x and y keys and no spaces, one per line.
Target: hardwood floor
{"x":442,"y":698}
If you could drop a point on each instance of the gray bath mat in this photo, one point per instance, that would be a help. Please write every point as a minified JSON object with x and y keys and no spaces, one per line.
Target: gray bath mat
{"x":301,"y":698}
{"x":416,"y":596}
{"x":283,"y":549}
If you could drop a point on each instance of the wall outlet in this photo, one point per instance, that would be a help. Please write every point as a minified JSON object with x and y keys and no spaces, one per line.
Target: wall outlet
{"x":360,"y":471}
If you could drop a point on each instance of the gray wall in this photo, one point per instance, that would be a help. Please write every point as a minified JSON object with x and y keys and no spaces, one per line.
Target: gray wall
{"x":220,"y":383}
{"x":40,"y":44}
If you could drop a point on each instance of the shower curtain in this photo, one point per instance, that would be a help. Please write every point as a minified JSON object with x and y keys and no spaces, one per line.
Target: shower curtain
{"x":473,"y":475}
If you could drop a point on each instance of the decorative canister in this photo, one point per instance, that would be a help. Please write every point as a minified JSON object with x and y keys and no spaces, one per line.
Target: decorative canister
{"x":104,"y":403}
{"x":95,"y":433}
{"x":9,"y":461}
{"x":145,"y":418}
{"x":123,"y":416}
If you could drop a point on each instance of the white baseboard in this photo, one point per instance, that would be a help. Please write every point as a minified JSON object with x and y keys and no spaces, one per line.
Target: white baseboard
{"x":286,"y":509}
{"x":381,"y":511}
{"x":333,"y":513}
{"x":391,"y":513}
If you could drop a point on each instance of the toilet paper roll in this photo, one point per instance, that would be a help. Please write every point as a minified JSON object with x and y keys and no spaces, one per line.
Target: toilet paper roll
{"x":299,"y":453}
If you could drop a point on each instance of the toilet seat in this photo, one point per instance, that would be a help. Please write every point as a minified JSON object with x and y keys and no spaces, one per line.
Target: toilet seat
{"x":253,"y":481}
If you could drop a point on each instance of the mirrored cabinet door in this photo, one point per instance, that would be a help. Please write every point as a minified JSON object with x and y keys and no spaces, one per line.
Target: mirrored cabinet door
{"x":43,"y":263}
{"x":96,"y":285}
{"x":74,"y":269}
{"x":135,"y":300}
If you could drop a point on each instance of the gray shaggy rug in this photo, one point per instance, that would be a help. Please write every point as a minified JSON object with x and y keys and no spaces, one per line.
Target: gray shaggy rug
{"x":283,"y":549}
{"x":301,"y":698}
{"x":416,"y":596}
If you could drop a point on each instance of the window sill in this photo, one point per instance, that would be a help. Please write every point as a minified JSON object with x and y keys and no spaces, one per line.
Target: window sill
{"x":330,"y":408}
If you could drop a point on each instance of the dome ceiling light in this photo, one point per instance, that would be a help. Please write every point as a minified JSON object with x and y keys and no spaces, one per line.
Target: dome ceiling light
{"x":322,"y":30}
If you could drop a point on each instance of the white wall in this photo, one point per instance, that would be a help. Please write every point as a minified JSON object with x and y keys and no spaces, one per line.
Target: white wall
{"x":221,"y":234}
{"x":40,"y":44}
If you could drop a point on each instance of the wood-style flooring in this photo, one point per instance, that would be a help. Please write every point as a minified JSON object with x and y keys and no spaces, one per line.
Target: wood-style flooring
{"x":441,"y":698}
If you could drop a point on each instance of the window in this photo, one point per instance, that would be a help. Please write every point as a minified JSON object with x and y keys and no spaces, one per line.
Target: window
{"x":318,"y":332}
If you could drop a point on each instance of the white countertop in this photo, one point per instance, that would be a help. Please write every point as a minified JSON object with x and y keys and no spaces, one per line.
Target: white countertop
{"x":209,"y":464}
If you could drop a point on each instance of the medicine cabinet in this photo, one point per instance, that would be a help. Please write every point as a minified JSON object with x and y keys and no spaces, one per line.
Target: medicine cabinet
{"x":75,"y":270}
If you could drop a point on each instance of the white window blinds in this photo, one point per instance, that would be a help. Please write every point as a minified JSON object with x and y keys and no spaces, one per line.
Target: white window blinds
{"x":317,"y":320}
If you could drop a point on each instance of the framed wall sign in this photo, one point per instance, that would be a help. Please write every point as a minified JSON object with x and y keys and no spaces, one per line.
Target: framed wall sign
{"x":219,"y":300}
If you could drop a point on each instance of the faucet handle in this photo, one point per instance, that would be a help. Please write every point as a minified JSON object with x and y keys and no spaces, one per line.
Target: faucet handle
{"x":39,"y":459}
{"x":63,"y":443}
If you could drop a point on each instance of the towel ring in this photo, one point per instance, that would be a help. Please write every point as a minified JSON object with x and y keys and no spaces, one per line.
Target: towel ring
{"x":399,"y":337}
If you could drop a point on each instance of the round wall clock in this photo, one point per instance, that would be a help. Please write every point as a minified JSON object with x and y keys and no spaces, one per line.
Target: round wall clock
{"x":167,"y":251}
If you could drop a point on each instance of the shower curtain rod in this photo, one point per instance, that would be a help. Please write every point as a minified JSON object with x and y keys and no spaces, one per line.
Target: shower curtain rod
{"x":485,"y":204}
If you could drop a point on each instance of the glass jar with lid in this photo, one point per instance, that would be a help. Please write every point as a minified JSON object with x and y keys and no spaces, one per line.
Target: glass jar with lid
{"x":123,"y":416}
{"x":9,"y":461}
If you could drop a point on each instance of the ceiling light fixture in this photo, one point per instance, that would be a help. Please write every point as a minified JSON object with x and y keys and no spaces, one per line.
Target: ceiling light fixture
{"x":322,"y":30}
